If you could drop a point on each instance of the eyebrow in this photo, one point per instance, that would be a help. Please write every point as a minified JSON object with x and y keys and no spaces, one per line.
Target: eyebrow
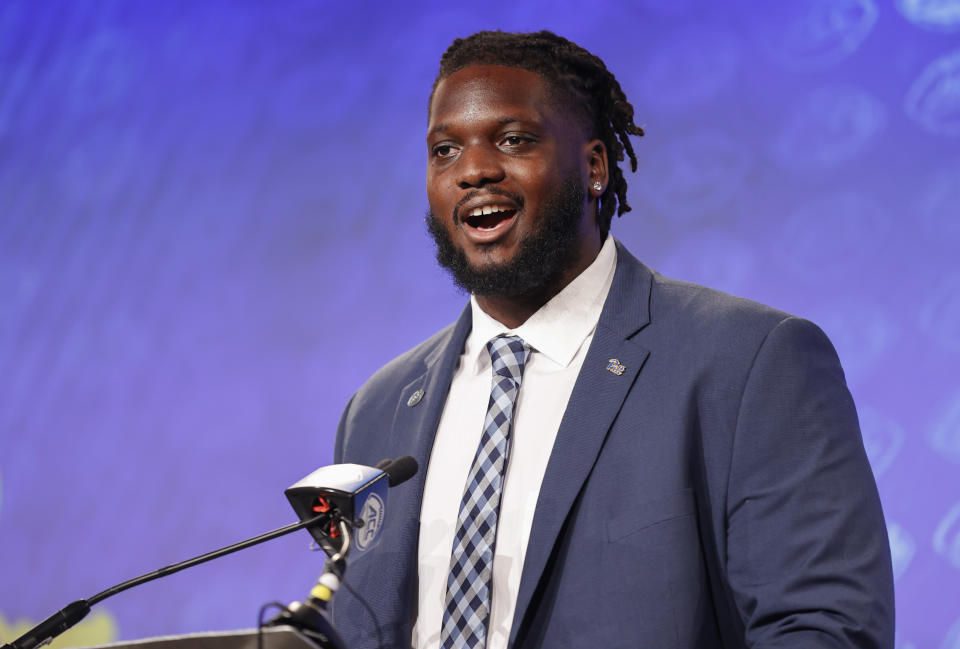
{"x":502,"y":121}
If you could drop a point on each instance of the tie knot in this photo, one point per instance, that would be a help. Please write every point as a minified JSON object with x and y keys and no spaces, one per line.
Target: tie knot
{"x":508,"y":354}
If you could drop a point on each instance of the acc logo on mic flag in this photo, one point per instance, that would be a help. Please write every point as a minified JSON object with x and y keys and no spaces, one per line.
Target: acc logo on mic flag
{"x":372,"y":517}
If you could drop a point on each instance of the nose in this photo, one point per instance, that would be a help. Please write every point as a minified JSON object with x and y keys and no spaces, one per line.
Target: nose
{"x":479,"y":165}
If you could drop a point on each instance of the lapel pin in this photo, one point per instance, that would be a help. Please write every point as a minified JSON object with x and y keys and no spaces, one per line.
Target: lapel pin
{"x":614,"y":366}
{"x":415,"y":398}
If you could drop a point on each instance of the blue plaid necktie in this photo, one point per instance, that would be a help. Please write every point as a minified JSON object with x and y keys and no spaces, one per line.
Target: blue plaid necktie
{"x":466,"y":613}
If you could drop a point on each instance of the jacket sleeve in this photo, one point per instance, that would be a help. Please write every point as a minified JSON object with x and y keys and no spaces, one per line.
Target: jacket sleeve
{"x":808,"y":559}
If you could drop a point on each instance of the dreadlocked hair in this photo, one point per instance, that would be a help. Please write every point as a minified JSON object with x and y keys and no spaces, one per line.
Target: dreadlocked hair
{"x":579,"y":77}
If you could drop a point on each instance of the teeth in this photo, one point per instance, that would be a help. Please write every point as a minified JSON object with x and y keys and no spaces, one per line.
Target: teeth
{"x":488,"y":209}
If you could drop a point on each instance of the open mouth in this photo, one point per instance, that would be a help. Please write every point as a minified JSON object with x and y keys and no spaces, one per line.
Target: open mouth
{"x":489,"y":217}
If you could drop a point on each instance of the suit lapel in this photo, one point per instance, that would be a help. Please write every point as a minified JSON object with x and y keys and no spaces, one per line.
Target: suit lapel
{"x":594,"y":403}
{"x":421,"y":401}
{"x":416,"y":417}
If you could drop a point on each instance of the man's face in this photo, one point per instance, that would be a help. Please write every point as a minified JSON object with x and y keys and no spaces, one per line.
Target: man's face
{"x":508,"y":180}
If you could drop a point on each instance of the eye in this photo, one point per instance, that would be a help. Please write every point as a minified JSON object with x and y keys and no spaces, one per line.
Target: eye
{"x":514,"y":140}
{"x":443,"y":150}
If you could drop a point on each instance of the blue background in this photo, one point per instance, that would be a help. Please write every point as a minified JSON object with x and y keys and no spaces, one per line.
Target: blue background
{"x":211,"y":234}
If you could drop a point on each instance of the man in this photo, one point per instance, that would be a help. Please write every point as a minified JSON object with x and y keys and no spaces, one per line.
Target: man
{"x":610,"y":458}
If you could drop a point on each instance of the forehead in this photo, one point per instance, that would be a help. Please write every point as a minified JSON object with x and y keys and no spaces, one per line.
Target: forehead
{"x":479,"y":92}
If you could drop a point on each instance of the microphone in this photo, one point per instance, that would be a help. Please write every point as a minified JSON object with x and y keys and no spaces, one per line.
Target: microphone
{"x":343,"y":488}
{"x":399,"y":470}
{"x":352,"y":496}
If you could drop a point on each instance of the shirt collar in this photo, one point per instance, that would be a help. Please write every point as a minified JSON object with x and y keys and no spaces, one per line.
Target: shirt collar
{"x":558,"y":329}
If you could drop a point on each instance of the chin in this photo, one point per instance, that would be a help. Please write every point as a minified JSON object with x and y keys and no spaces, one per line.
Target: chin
{"x":526,"y":265}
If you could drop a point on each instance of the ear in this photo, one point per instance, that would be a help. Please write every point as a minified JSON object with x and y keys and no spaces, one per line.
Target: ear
{"x":598,"y":175}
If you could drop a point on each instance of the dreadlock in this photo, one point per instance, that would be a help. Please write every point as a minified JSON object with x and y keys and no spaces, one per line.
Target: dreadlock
{"x":579,"y":76}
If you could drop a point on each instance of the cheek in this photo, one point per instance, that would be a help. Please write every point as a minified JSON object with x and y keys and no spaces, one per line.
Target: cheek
{"x":437,"y":204}
{"x":541,"y":183}
{"x":434,"y":191}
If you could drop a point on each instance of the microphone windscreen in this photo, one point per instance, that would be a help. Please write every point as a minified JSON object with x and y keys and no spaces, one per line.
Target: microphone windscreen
{"x":400,"y":470}
{"x":384,"y":463}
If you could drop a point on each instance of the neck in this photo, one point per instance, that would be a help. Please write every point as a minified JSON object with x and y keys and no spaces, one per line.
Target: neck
{"x":509,"y":311}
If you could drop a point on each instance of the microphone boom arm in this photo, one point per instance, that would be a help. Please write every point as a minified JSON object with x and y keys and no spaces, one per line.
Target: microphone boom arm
{"x":336,"y":513}
{"x":72,"y":613}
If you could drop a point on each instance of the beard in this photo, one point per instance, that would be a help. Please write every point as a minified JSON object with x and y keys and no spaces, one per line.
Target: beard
{"x":542,"y":255}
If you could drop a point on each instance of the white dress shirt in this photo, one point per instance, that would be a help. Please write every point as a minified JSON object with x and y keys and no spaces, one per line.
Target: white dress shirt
{"x":559,"y":334}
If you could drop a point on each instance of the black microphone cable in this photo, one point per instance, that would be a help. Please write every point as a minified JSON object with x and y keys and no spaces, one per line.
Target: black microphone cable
{"x":261,"y":624}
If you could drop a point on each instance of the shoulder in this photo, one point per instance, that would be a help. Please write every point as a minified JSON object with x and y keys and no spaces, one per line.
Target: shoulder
{"x":701,"y":326}
{"x":677,"y":302}
{"x":362,"y":428}
{"x":741,"y":334}
{"x":404,"y":368}
{"x":699,"y":309}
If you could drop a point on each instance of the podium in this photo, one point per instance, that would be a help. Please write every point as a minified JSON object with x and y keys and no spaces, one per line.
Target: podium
{"x":278,"y":637}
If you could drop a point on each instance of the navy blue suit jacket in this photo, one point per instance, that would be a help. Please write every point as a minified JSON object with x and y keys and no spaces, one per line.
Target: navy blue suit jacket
{"x":714,"y":494}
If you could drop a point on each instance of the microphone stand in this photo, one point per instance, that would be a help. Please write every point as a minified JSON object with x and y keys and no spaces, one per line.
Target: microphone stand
{"x":72,"y":613}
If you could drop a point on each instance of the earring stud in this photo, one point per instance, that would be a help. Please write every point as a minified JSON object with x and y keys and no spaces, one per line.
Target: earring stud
{"x":597,"y":186}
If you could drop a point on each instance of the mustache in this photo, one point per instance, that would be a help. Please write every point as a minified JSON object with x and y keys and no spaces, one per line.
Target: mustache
{"x":516,"y":198}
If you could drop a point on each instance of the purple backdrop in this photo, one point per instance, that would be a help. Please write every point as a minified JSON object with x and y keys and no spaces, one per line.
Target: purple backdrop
{"x":211,"y":233}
